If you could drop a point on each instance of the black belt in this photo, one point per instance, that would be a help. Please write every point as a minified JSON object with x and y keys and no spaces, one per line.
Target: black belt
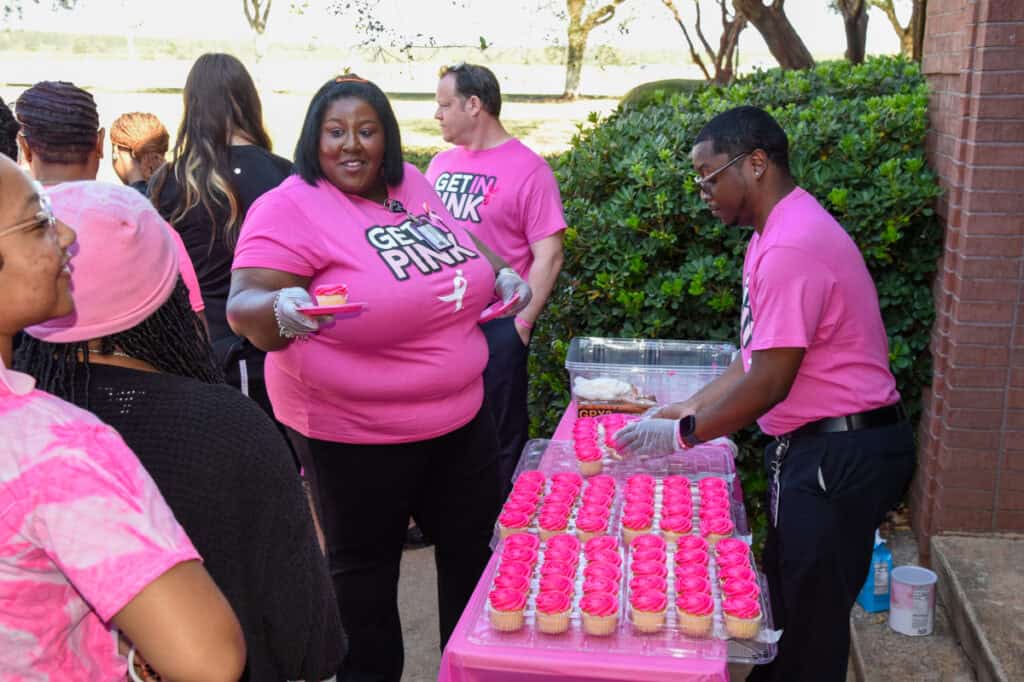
{"x":882,"y":416}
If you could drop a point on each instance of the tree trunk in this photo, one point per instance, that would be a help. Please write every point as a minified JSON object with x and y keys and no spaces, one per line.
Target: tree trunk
{"x":782,"y":39}
{"x":856,"y":25}
{"x":917,"y":29}
{"x":574,"y":64}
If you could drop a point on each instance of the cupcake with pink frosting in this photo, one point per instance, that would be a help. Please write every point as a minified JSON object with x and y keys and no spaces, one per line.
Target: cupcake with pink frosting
{"x":742,"y":617}
{"x":648,"y":554}
{"x":552,"y":522}
{"x":732,"y":546}
{"x":591,"y":523}
{"x":731,"y":573}
{"x":564,"y":568}
{"x":675,"y":526}
{"x":588,"y":456}
{"x":563,"y":541}
{"x":648,"y":568}
{"x":506,"y":609}
{"x":692,"y":584}
{"x":523,"y":540}
{"x":648,"y":582}
{"x":648,"y":609}
{"x":694,"y":613}
{"x":599,"y":542}
{"x":511,"y":567}
{"x":553,"y":612}
{"x":600,"y":612}
{"x":730,"y":560}
{"x":691,"y":570}
{"x":512,"y":582}
{"x":741,"y":588}
{"x":565,"y":554}
{"x":606,"y":556}
{"x":715,"y":529}
{"x":524,"y":554}
{"x":596,"y":583}
{"x":691,"y":556}
{"x":648,"y":541}
{"x":634,"y":524}
{"x":610,"y":571}
{"x":510,"y":522}
{"x":692,"y":542}
{"x":556,"y":583}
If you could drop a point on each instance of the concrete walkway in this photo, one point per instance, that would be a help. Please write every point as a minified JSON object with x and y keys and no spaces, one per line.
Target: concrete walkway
{"x":417,"y":602}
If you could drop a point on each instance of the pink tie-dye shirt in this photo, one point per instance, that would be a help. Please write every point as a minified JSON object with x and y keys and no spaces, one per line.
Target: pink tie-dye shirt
{"x":83,"y":529}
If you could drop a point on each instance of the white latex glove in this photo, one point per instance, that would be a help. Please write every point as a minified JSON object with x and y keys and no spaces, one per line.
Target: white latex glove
{"x":648,"y":437}
{"x":507,"y":284}
{"x":290,"y":322}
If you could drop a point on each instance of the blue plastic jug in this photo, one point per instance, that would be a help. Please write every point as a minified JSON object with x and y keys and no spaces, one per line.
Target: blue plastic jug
{"x":874,"y":596}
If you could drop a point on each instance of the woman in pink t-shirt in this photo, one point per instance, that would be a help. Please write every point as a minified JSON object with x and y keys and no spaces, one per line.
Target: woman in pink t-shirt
{"x":87,"y":543}
{"x":386,"y":409}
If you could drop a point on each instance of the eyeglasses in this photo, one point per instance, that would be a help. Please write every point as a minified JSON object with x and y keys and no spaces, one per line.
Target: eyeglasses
{"x":44,"y":214}
{"x":707,"y":183}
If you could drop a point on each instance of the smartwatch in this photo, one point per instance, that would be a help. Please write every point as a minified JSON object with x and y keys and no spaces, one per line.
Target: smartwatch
{"x":687,"y":427}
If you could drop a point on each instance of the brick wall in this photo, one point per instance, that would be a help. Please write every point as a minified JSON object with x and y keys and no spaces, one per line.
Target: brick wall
{"x":971,"y":467}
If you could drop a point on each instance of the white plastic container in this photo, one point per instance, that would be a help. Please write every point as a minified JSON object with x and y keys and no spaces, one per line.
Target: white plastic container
{"x":912,"y":601}
{"x":665,"y":370}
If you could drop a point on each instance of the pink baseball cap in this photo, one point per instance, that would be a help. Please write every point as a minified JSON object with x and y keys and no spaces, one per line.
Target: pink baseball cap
{"x":124,"y":265}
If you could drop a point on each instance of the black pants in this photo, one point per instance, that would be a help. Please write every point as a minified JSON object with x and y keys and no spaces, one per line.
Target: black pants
{"x":505,"y":385}
{"x":818,"y":557}
{"x":365,"y":495}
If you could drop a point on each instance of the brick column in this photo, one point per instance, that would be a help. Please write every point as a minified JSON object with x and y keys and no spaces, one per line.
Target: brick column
{"x":971,"y":467}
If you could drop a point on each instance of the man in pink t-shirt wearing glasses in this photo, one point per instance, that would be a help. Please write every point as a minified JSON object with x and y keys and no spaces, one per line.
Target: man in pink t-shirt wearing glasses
{"x":813,"y":371}
{"x":506,"y":195}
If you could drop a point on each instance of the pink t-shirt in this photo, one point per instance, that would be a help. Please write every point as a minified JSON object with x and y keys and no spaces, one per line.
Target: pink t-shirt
{"x":805,"y":285}
{"x":410,"y":367}
{"x":507,"y":196}
{"x":83,"y":529}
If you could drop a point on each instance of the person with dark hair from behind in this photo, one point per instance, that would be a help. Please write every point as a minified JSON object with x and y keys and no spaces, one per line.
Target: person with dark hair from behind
{"x":505,"y":194}
{"x":222,"y":162}
{"x":88,"y":547}
{"x":61,"y":141}
{"x":8,"y":132}
{"x":138,"y":143}
{"x":813,"y":370}
{"x":136,"y":356}
{"x":386,"y":410}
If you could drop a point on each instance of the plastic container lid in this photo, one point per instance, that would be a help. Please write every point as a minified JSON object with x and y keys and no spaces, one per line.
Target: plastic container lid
{"x":664,"y":354}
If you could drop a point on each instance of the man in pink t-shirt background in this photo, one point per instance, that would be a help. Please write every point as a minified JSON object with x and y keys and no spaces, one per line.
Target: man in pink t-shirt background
{"x":506,"y":195}
{"x":813,"y":371}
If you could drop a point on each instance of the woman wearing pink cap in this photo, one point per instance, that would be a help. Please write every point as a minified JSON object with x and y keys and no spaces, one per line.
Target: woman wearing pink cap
{"x":134,"y":354}
{"x":87,"y":543}
{"x":386,"y":409}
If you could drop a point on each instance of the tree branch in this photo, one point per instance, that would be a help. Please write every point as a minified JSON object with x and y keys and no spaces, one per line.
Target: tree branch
{"x":601,"y":16}
{"x":700,"y":32}
{"x":694,"y":55}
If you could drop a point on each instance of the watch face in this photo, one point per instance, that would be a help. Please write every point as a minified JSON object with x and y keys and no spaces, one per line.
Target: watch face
{"x":686,"y":425}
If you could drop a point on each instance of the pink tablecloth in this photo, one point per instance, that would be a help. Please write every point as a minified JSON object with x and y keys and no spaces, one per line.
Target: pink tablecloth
{"x":465,"y":661}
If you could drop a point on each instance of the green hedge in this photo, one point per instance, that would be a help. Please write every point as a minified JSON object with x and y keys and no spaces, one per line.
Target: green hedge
{"x":644,"y":258}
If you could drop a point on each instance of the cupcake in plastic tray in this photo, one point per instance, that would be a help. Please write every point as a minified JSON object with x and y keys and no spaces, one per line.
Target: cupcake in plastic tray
{"x":695,"y":591}
{"x":549,"y":602}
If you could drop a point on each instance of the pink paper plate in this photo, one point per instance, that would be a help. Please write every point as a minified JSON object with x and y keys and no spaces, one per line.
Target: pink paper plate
{"x":498,"y":309}
{"x":351,"y":309}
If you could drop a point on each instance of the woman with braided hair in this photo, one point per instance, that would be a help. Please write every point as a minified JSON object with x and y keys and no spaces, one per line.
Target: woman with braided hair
{"x":61,"y":141}
{"x":220,"y":165}
{"x":136,"y":356}
{"x":138,"y":143}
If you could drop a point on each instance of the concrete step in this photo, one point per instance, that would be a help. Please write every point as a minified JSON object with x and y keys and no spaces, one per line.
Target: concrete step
{"x":980,"y":579}
{"x":879,"y":654}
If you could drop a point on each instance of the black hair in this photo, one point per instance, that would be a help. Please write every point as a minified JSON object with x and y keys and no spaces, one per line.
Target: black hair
{"x":172,"y":339}
{"x":475,"y":80}
{"x":744,"y":129}
{"x":8,"y":132}
{"x":59,"y":121}
{"x":307,"y":149}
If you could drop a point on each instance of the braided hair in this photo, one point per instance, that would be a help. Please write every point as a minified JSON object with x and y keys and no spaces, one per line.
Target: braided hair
{"x":172,"y":339}
{"x":140,"y":132}
{"x":59,"y":121}
{"x":8,"y":132}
